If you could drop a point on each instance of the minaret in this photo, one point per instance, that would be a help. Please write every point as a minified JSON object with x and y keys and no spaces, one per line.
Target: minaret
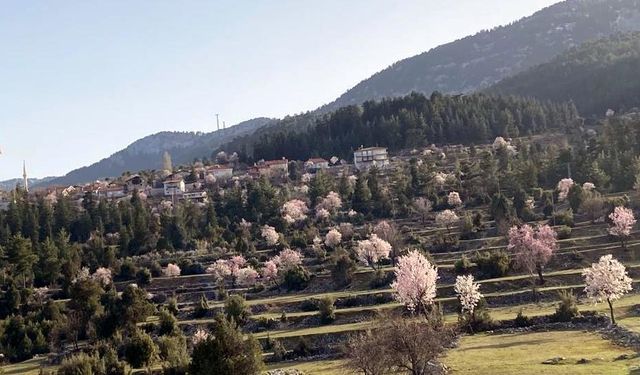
{"x":25,"y":182}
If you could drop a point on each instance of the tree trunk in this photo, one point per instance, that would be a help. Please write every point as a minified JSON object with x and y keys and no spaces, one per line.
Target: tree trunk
{"x":613,"y":319}
{"x":540,"y":278}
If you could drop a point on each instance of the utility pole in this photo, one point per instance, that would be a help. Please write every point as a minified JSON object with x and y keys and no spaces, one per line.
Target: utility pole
{"x":218,"y":121}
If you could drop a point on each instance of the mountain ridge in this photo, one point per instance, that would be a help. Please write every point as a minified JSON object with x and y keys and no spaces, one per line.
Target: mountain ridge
{"x":146,"y":152}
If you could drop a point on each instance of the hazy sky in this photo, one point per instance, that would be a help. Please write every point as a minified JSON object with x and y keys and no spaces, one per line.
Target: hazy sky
{"x":80,"y":80}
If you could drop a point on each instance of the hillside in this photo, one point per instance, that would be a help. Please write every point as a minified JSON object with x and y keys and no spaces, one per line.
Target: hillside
{"x":11,"y":183}
{"x":597,"y":76}
{"x":477,"y":61}
{"x":146,"y":153}
{"x":411,"y":121}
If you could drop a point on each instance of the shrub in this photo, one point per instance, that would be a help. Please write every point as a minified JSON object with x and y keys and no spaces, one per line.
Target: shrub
{"x":463,"y":265}
{"x":267,"y":323}
{"x":226,"y":351}
{"x":168,"y":322}
{"x":564,"y":218}
{"x":302,"y":348}
{"x":143,"y":276}
{"x":310,"y":304}
{"x":327,"y":310}
{"x":82,"y":364}
{"x":522,"y":320}
{"x":563,"y":232}
{"x":140,"y":349}
{"x":172,"y":305}
{"x":492,"y":264}
{"x":279,"y":351}
{"x":202,"y":307}
{"x":296,"y":278}
{"x":342,"y":269}
{"x":380,"y":279}
{"x":173,"y":352}
{"x":567,"y":309}
{"x":236,"y":309}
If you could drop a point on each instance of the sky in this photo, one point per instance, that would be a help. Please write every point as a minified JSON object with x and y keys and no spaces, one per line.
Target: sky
{"x":80,"y":80}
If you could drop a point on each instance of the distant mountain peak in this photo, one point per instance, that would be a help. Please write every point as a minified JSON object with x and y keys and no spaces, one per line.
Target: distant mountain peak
{"x":478,"y":61}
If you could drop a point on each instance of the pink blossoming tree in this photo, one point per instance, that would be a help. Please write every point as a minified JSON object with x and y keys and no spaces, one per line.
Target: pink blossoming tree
{"x":333,"y":238}
{"x":372,"y":250}
{"x":564,"y":186}
{"x":294,"y":211}
{"x":415,"y":284}
{"x":532,"y":248}
{"x":270,"y":235}
{"x":607,"y":280}
{"x":172,"y":270}
{"x":622,"y":221}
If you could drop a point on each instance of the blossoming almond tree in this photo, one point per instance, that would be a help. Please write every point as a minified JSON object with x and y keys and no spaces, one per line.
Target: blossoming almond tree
{"x":333,"y":238}
{"x":246,"y":276}
{"x":294,"y":211}
{"x":622,"y":221}
{"x":454,"y":199}
{"x":606,"y":280}
{"x":269,"y":271}
{"x":468,"y":293}
{"x":564,"y":186}
{"x":447,"y":219}
{"x":415,"y":284}
{"x":372,"y":250}
{"x":172,"y":270}
{"x":331,"y":202}
{"x":270,"y":235}
{"x":103,"y":276}
{"x":533,"y":248}
{"x":288,"y":259}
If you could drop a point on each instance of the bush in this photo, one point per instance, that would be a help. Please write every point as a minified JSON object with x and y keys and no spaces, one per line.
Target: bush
{"x":279,"y":351}
{"x":296,"y":278}
{"x":342,"y":269}
{"x":564,"y":218}
{"x":567,"y":309}
{"x":563,"y":232}
{"x":172,"y":305}
{"x":463,"y":265}
{"x":173,"y":351}
{"x":168,"y":322}
{"x":143,"y":276}
{"x":202,"y":308}
{"x":380,"y":279}
{"x":327,"y":310}
{"x":310,"y":304}
{"x":236,"y":309}
{"x":302,"y":348}
{"x":492,"y":264}
{"x":267,"y":323}
{"x":82,"y":364}
{"x":140,"y":350}
{"x":226,"y":351}
{"x":522,"y":320}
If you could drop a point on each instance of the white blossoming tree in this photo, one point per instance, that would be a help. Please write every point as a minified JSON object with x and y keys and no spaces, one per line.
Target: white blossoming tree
{"x":468,"y":293}
{"x":607,"y":280}
{"x":622,"y":221}
{"x":372,"y":250}
{"x":415,"y":284}
{"x":270,"y":235}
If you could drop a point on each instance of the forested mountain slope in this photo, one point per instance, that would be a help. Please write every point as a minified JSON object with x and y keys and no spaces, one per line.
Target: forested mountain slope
{"x":597,"y":76}
{"x":478,"y":61}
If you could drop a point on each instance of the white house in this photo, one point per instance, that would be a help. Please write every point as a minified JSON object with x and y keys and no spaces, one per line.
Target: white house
{"x":364,"y":158}
{"x":174,"y":187}
{"x":314,"y":164}
{"x":220,"y":171}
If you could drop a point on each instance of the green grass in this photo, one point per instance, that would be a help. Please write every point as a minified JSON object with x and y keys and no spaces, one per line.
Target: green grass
{"x":523,"y":353}
{"x":30,"y":367}
{"x":326,"y":367}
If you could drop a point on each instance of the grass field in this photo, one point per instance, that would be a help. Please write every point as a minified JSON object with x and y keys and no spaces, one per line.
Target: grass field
{"x":523,"y":353}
